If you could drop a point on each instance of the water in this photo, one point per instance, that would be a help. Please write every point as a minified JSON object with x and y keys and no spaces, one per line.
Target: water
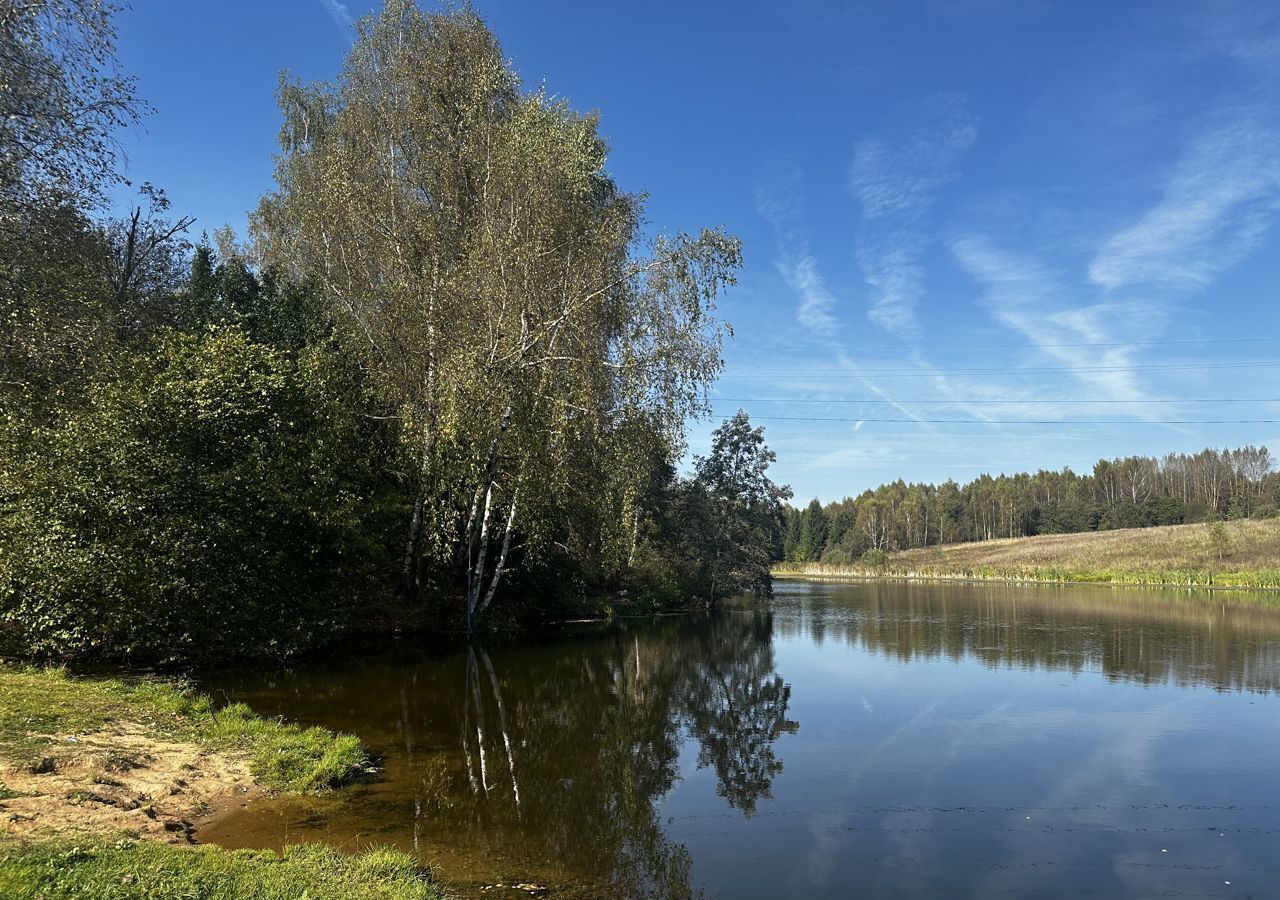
{"x":865,"y":739}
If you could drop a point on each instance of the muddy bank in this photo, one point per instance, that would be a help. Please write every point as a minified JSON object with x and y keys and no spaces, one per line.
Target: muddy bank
{"x":123,"y":779}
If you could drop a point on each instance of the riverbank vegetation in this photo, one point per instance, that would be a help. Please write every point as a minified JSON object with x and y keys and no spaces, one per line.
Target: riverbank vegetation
{"x":443,"y":384}
{"x":1133,"y":492}
{"x":1239,"y":553}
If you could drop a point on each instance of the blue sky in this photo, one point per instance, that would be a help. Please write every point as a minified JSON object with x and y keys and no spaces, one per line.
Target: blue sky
{"x":995,"y":223}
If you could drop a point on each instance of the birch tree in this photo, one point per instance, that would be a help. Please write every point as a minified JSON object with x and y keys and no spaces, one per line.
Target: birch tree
{"x":467,"y":232}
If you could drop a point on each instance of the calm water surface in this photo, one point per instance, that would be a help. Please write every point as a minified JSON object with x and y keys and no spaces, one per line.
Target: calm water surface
{"x":855,"y":740}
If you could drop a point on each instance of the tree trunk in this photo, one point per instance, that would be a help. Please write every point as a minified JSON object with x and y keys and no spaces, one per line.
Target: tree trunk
{"x":502,"y":555}
{"x":412,"y":549}
{"x":476,"y":573}
{"x":635,"y":536}
{"x":476,"y":556}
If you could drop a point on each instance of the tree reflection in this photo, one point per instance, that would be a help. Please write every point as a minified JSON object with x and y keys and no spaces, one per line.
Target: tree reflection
{"x":544,"y":763}
{"x":735,"y":706}
{"x":1147,"y":637}
{"x":595,"y":737}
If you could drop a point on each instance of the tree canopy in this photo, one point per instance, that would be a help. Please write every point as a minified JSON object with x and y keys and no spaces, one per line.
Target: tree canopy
{"x":451,"y":354}
{"x":467,"y":233}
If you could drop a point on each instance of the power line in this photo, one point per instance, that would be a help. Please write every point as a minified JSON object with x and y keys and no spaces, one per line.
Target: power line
{"x":900,"y":421}
{"x":1076,"y":370}
{"x":1025,"y":346}
{"x":880,"y":400}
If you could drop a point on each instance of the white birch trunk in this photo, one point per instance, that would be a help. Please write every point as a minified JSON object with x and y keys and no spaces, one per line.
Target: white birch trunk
{"x":502,"y":555}
{"x":476,"y":556}
{"x":477,"y":572}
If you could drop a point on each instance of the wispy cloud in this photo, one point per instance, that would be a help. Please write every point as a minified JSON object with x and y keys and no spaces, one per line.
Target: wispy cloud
{"x":816,"y":302}
{"x":895,"y":176}
{"x":1023,"y":296}
{"x":341,"y":16}
{"x":779,"y":202}
{"x":1217,"y":204}
{"x":1246,"y":32}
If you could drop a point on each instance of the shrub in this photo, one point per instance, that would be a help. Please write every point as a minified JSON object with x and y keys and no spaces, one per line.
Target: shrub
{"x":210,"y":503}
{"x":837,"y":556}
{"x":875,"y":559}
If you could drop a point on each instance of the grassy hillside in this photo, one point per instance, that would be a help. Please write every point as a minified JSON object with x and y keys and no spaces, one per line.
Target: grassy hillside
{"x":1243,"y":553}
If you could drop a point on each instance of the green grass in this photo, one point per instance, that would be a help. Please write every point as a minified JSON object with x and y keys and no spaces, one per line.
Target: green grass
{"x":40,"y":707}
{"x":87,"y":869}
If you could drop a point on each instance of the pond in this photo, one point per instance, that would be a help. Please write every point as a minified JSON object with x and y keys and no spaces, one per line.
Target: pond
{"x":864,"y":739}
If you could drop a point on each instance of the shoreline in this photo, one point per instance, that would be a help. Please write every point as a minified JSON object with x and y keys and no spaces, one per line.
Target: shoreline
{"x":114,"y":776}
{"x":1084,"y":579}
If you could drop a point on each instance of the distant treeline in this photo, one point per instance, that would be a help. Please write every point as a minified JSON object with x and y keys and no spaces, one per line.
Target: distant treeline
{"x":1131,"y":492}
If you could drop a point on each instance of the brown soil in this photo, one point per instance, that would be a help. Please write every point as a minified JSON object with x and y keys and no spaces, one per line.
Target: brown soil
{"x":123,"y":779}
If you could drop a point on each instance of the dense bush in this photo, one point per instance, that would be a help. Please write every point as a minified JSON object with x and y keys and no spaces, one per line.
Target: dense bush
{"x":215,"y":502}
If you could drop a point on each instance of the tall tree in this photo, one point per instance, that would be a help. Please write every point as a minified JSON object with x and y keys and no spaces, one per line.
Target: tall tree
{"x":813,"y":531}
{"x":467,"y":232}
{"x":746,"y":508}
{"x":146,"y":263}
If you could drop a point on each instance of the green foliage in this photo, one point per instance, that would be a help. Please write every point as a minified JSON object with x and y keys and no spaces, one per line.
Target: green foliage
{"x":61,"y":104}
{"x":212,"y":503}
{"x":55,"y":313}
{"x":813,"y":532}
{"x":86,"y":868}
{"x":466,"y":231}
{"x":874,"y":559}
{"x":223,"y":289}
{"x":448,"y":354}
{"x":718,"y":531}
{"x":37,"y":706}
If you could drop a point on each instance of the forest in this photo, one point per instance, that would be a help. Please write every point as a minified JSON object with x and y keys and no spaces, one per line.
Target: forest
{"x":442,"y":382}
{"x":1131,"y":492}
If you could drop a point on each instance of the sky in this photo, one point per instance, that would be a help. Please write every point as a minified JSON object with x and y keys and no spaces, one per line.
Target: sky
{"x":979,"y":235}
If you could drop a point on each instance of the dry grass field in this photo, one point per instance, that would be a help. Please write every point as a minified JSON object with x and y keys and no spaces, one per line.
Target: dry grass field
{"x":1243,"y":553}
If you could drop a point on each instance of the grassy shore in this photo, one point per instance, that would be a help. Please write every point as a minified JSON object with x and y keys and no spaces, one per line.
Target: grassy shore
{"x":48,"y":717}
{"x":100,"y":780}
{"x":1239,"y":554}
{"x":126,"y":869}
